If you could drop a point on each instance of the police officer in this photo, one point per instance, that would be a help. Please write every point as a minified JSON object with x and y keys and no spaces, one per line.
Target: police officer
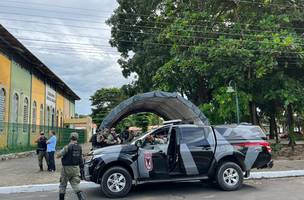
{"x":41,"y":150}
{"x":72,"y":162}
{"x":113,"y":138}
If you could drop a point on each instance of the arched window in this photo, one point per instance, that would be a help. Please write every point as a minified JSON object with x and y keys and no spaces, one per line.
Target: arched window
{"x":2,"y":108}
{"x":53,"y":118}
{"x":41,"y":117}
{"x":15,"y":108}
{"x":34,"y":116}
{"x":25,"y":114}
{"x":61,"y":119}
{"x":2,"y":105}
{"x":57,"y":118}
{"x":48,"y":116}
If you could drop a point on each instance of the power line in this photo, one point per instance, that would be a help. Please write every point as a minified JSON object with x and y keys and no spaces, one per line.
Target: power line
{"x":53,"y":5}
{"x":81,"y":50}
{"x":56,"y":24}
{"x":96,"y":51}
{"x":145,"y":43}
{"x":73,"y":50}
{"x":47,"y":10}
{"x":267,"y":4}
{"x":197,"y":62}
{"x":151,"y":27}
{"x":57,"y":33}
{"x":90,"y":9}
{"x":150,"y":43}
{"x":121,"y":30}
{"x":43,"y":16}
{"x":69,"y":46}
{"x":151,"y":33}
{"x":236,"y":61}
{"x":90,"y":21}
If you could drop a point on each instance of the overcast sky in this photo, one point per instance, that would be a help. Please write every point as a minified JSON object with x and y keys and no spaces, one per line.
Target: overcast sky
{"x":51,"y":30}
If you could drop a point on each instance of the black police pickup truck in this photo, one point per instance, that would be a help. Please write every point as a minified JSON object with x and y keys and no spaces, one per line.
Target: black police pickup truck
{"x":181,"y":152}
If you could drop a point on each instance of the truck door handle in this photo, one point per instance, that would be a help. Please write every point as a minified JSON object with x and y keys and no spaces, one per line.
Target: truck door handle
{"x":206,"y":148}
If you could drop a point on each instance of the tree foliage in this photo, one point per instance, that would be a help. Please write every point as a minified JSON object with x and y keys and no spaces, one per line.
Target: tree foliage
{"x":103,"y":101}
{"x":196,"y":47}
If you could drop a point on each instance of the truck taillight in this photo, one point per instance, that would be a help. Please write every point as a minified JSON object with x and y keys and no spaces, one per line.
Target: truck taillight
{"x":269,"y":149}
{"x":256,"y":144}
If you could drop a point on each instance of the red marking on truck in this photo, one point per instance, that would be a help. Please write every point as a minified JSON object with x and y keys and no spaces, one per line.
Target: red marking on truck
{"x":148,"y":161}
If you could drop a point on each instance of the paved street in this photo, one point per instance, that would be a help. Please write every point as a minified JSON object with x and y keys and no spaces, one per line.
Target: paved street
{"x":287,"y":188}
{"x":26,"y":169}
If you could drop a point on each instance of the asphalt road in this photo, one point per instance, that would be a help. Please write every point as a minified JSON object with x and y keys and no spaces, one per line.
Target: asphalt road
{"x":287,"y":188}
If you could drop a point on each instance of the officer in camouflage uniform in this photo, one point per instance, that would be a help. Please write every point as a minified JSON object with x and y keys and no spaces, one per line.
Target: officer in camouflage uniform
{"x":112,"y":138}
{"x":72,"y":161}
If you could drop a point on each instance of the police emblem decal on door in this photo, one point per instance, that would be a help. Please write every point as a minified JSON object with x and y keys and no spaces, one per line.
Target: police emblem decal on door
{"x":148,"y":161}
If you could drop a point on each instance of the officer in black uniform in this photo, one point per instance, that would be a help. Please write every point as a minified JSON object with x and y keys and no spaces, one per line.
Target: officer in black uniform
{"x":41,"y":150}
{"x":72,"y":162}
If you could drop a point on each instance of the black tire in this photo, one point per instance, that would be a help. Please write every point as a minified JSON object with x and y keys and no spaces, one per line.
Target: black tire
{"x":234,"y":180}
{"x":105,"y":181}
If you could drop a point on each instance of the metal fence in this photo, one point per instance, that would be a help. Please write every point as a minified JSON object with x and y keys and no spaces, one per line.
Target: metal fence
{"x":14,"y":135}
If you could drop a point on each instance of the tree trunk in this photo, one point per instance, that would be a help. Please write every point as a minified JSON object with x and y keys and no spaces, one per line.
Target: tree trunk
{"x":253,"y":113}
{"x":290,"y":125}
{"x":271,"y":127}
{"x":276,"y":133}
{"x":273,"y":124}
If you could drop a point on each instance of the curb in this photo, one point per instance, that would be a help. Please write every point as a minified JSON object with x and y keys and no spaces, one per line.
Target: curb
{"x":90,"y":185}
{"x":276,"y":174}
{"x":12,"y":156}
{"x":41,"y":188}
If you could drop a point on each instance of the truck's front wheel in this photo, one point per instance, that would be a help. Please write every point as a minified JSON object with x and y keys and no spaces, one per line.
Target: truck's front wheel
{"x":229,"y":176}
{"x":116,"y":182}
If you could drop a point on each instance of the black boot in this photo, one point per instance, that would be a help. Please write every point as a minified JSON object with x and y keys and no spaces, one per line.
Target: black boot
{"x":61,"y":196}
{"x":81,"y":196}
{"x":41,"y":168}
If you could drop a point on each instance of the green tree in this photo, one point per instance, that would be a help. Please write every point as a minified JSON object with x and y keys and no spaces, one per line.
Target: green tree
{"x":134,"y":34}
{"x":103,"y":101}
{"x":196,"y":47}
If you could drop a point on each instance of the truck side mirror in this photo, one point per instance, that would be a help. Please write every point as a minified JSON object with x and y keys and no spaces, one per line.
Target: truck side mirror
{"x":139,"y":143}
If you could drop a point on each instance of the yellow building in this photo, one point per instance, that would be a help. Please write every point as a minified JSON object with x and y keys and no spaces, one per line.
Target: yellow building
{"x":5,"y":69}
{"x":60,"y":108}
{"x":66,"y":110}
{"x":38,"y":106}
{"x":32,"y":97}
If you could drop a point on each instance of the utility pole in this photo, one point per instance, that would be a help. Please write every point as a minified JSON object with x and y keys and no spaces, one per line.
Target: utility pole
{"x":232,"y":88}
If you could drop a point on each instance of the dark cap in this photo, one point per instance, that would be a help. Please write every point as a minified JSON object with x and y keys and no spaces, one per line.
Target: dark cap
{"x":74,"y":136}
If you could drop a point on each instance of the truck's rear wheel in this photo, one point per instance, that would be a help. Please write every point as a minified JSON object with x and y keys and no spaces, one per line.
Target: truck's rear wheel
{"x":116,"y":182}
{"x":229,"y":176}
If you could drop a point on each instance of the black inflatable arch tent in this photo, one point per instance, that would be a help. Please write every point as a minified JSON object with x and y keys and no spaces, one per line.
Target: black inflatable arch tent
{"x":167,"y":105}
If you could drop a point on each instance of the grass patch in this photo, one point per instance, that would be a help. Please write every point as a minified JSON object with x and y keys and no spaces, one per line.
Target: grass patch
{"x":299,"y":137}
{"x":17,"y":149}
{"x":276,"y":147}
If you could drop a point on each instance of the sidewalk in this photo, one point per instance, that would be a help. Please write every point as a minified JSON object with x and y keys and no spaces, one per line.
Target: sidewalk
{"x":25,"y":171}
{"x":285,"y":142}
